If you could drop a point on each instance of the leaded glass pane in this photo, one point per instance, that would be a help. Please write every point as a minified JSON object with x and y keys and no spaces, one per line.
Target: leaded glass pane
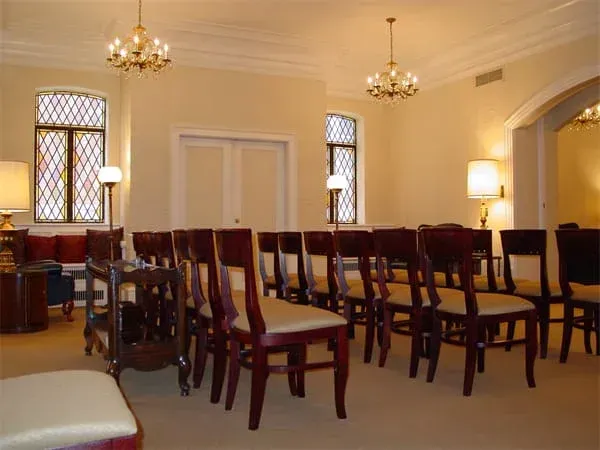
{"x":344,"y":164}
{"x":87,"y":192}
{"x":68,"y":108}
{"x":340,"y":129}
{"x":51,"y":176}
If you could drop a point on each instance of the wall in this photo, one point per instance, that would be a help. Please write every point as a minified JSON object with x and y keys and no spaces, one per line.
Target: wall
{"x":19,"y":85}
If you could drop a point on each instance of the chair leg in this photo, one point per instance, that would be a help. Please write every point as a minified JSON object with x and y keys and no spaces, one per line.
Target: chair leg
{"x":259,"y":384}
{"x":588,"y":326}
{"x":67,"y":309}
{"x":481,"y":339}
{"x":348,"y":317}
{"x":340,"y":372}
{"x":300,"y":374}
{"x":370,"y":333}
{"x":530,"y":347}
{"x":544,"y":320}
{"x":292,"y":361}
{"x":597,"y":328}
{"x":388,"y":317}
{"x":567,"y":331}
{"x":510,"y":335}
{"x":416,"y":347}
{"x":470,"y":357}
{"x":219,"y":366}
{"x":201,"y":353}
{"x":234,"y":373}
{"x":434,"y":347}
{"x":379,"y":323}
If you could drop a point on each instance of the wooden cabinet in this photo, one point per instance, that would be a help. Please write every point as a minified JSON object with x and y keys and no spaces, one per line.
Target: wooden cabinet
{"x":23,"y":301}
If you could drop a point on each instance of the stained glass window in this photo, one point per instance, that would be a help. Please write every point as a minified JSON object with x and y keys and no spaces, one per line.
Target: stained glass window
{"x":340,"y":132}
{"x":69,"y":151}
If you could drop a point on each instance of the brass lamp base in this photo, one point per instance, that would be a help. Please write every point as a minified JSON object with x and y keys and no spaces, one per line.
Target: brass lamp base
{"x":483,"y":215}
{"x":6,"y":225}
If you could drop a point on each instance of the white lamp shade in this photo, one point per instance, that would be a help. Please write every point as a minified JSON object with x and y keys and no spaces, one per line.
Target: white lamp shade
{"x":483,"y":179}
{"x":110,"y":174}
{"x":337,"y":182}
{"x":14,"y":186}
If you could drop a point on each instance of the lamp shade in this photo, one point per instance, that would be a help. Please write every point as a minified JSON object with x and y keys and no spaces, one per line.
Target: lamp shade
{"x":110,"y":174}
{"x":14,"y":186}
{"x":483,"y":179}
{"x":337,"y":182}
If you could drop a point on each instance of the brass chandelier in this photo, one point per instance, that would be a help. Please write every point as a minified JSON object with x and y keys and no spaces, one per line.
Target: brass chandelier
{"x":138,"y":53}
{"x":588,"y":118}
{"x":392,"y":85}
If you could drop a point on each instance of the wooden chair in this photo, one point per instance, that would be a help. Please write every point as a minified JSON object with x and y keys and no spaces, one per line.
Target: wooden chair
{"x":540,"y":292}
{"x":268,"y":242}
{"x":294,"y":284}
{"x":476,"y":311}
{"x":271,"y":325}
{"x":357,"y":247}
{"x":579,"y":261}
{"x":323,"y":289}
{"x":98,"y":244}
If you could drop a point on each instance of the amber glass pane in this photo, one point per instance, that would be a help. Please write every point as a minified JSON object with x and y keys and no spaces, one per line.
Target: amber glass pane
{"x":51,"y":182}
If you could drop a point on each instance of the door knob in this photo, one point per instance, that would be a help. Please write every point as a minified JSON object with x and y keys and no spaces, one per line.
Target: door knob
{"x":237,"y":220}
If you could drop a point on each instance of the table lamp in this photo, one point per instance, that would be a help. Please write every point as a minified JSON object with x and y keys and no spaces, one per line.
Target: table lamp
{"x":109,"y":176}
{"x":14,"y":190}
{"x":483,"y":183}
{"x":336,"y":183}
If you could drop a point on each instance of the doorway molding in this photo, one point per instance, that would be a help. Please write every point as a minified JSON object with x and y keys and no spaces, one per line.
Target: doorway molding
{"x":529,"y":112}
{"x":179,"y":134}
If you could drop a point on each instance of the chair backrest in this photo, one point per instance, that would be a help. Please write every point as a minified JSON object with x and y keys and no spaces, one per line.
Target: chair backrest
{"x":522,"y":242}
{"x":234,"y":247}
{"x":482,"y":247}
{"x":568,"y":226}
{"x":398,"y":244}
{"x":320,"y":243}
{"x":290,"y":243}
{"x":354,"y":244}
{"x":165,"y":251}
{"x":438,"y":266}
{"x":142,"y":245}
{"x":450,"y":245}
{"x":578,"y":257}
{"x":180,"y":244}
{"x":268,"y":242}
{"x":97,"y":244}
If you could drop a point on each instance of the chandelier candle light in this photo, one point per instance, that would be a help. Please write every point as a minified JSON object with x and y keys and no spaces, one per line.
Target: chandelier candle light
{"x":392,"y":85}
{"x":589,"y":118}
{"x":138,"y":52}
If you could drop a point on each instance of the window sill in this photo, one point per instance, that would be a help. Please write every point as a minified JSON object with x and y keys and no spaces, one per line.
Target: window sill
{"x":360,"y":226}
{"x":63,"y":228}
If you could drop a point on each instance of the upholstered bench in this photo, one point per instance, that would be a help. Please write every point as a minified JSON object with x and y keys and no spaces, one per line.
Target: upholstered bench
{"x":64,"y":409}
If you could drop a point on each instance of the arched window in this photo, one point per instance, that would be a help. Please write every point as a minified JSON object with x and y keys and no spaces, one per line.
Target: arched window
{"x":69,"y":151}
{"x":340,"y":132}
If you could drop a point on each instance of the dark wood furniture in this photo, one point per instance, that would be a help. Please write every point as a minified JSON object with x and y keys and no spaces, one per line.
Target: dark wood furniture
{"x":357,"y":245}
{"x":271,"y":325}
{"x":23,"y":301}
{"x":268,"y":243}
{"x":323,"y":288}
{"x":294,"y":284}
{"x":477,"y":312}
{"x":579,"y":273}
{"x":122,"y":333}
{"x":98,"y":244}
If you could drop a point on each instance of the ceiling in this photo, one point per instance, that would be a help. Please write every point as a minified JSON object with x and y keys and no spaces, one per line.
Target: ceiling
{"x":338,"y":41}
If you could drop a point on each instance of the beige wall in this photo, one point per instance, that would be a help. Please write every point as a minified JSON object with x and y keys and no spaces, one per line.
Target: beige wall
{"x":19,"y":85}
{"x":579,"y":177}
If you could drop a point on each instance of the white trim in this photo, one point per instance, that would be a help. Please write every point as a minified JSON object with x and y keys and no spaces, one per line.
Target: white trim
{"x":287,"y":203}
{"x":541,"y":171}
{"x":524,"y":115}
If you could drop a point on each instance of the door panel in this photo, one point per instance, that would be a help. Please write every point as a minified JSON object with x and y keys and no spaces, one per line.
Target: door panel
{"x":204,"y":187}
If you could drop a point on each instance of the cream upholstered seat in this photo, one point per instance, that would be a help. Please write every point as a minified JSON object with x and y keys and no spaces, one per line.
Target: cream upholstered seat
{"x":283,"y":317}
{"x":533,"y":288}
{"x":357,"y":289}
{"x":401,"y":295}
{"x":322,"y":285}
{"x":61,"y":409}
{"x":489,"y":303}
{"x":401,"y":276}
{"x":238,"y":300}
{"x":589,"y":293}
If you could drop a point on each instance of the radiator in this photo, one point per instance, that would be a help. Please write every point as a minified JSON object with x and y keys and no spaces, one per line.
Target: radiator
{"x":78,"y":273}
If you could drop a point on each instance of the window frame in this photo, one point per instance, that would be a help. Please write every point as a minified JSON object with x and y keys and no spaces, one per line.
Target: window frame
{"x":70,"y":131}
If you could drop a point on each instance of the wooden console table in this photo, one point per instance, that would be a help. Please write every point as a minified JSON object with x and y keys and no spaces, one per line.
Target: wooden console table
{"x":23,"y":301}
{"x":148,"y":334}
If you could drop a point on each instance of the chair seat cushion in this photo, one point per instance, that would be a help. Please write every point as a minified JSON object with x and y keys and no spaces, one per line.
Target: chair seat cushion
{"x":357,"y":289}
{"x":589,"y":293}
{"x":480,"y":283}
{"x":270,"y":280}
{"x":283,"y":317}
{"x":321,"y":286}
{"x":239,"y":300}
{"x":62,"y":408}
{"x":490,"y":304}
{"x":294,"y":281}
{"x":401,"y":276}
{"x":400,"y":294}
{"x":530,"y":288}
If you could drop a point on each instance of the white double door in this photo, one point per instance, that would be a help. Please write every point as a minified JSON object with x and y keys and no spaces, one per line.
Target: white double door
{"x":232,"y":183}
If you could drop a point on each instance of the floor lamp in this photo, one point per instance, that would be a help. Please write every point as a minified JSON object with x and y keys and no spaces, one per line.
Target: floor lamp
{"x":483,"y":183}
{"x":336,"y":183}
{"x":109,"y":176}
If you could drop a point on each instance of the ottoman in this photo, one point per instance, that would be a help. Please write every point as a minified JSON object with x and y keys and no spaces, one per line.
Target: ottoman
{"x":65,"y":409}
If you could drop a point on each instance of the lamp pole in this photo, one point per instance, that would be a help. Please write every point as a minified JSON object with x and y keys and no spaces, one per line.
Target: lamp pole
{"x":336,"y":199}
{"x":109,"y":176}
{"x":336,"y":183}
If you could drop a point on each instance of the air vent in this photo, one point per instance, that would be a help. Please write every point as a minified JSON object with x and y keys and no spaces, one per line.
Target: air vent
{"x":488,"y":77}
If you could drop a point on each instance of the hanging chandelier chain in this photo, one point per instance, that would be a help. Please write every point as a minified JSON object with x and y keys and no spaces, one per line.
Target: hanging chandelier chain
{"x":391,"y":41}
{"x":140,"y":13}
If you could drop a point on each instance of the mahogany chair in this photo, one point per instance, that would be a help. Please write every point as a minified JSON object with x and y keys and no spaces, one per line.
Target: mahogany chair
{"x":540,"y":292}
{"x":142,"y":245}
{"x":355,"y":247}
{"x":477,"y":312}
{"x":294,"y":284}
{"x":182,"y":256}
{"x":579,"y":273}
{"x":268,"y":243}
{"x":270,"y":325}
{"x":98,"y":244}
{"x":323,"y":289}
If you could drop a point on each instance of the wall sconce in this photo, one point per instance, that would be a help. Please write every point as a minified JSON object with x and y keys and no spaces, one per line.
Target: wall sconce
{"x":109,"y":176}
{"x":483,"y":182}
{"x":336,"y":183}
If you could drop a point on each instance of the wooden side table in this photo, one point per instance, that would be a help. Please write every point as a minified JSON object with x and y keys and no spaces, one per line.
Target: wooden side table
{"x":23,"y":301}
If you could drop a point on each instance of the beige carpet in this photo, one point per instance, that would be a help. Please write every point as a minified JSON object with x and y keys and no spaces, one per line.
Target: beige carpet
{"x":386,"y":409}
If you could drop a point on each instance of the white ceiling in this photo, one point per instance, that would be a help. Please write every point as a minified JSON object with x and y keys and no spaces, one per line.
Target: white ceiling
{"x":338,"y":41}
